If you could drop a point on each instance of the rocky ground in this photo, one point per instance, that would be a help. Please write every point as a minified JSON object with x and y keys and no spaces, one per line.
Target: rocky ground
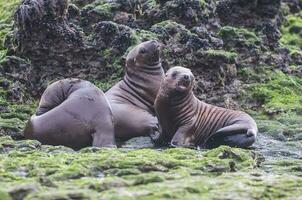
{"x":246,"y":54}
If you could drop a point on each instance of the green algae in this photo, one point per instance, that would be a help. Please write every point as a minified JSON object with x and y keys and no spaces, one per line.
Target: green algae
{"x":238,"y":37}
{"x":228,"y":186}
{"x":281,"y":93}
{"x":225,"y":56}
{"x":284,"y":126}
{"x":92,"y":172}
{"x":6,"y":10}
{"x":4,"y":196}
{"x":103,"y":9}
{"x":291,"y":33}
{"x":169,"y":27}
{"x":15,"y":117}
{"x":278,"y":96}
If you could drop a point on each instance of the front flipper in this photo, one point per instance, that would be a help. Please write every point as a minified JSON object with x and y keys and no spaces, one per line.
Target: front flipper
{"x":237,"y":135}
{"x":183,"y":138}
{"x":103,"y":140}
{"x":104,"y":134}
{"x":158,"y":137}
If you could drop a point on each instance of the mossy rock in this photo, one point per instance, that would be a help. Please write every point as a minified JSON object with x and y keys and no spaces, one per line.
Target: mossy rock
{"x":220,"y":56}
{"x":4,"y":195}
{"x":291,"y":33}
{"x":95,"y":170}
{"x":6,"y":12}
{"x":234,"y":37}
{"x":281,"y":93}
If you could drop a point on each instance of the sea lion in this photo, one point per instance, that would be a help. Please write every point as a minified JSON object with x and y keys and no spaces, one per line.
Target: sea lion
{"x":133,"y":97}
{"x":73,"y":113}
{"x":188,"y":122}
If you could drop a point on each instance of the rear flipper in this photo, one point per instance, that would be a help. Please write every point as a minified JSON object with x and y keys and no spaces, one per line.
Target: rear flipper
{"x":235,"y":136}
{"x":183,"y":138}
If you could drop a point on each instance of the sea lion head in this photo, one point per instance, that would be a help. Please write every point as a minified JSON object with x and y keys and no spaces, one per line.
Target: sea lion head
{"x":178,"y":80}
{"x":146,"y":54}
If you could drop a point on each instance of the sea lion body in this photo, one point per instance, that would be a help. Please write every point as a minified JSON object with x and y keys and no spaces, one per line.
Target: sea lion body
{"x":188,"y":122}
{"x":73,"y":113}
{"x":132,"y":98}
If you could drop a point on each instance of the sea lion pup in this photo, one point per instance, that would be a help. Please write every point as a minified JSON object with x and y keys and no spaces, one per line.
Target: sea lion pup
{"x":133,"y":97}
{"x":73,"y":113}
{"x":189,"y":122}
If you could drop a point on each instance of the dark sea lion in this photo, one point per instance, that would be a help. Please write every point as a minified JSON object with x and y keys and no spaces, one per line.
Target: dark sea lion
{"x":132,"y":98}
{"x":73,"y":113}
{"x":188,"y":122}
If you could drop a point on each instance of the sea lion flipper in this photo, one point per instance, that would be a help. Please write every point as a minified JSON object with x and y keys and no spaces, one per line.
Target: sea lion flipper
{"x":101,"y":139}
{"x":182,"y":138}
{"x":236,"y":135}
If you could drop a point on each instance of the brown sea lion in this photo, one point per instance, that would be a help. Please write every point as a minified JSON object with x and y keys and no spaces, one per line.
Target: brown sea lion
{"x":188,"y":122}
{"x":132,"y":98}
{"x":73,"y":113}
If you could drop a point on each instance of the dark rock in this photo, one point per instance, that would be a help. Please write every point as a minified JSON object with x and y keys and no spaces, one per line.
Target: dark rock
{"x":247,"y":12}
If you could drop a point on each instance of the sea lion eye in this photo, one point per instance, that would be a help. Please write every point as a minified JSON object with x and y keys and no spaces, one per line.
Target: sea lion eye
{"x":142,"y":50}
{"x":174,"y":74}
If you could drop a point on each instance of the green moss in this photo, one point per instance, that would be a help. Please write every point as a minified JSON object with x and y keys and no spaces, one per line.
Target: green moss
{"x":143,"y":35}
{"x":226,"y":56}
{"x":6,"y":12}
{"x":98,"y":170}
{"x":35,"y":171}
{"x":238,"y":37}
{"x":291,"y":33}
{"x":259,"y":74}
{"x":170,"y":25}
{"x":202,"y":3}
{"x":14,"y":119}
{"x":235,"y":186}
{"x":270,"y":127}
{"x":4,"y":196}
{"x":286,"y":124}
{"x":281,"y":93}
{"x":102,"y":7}
{"x":105,"y":8}
{"x":14,"y":124}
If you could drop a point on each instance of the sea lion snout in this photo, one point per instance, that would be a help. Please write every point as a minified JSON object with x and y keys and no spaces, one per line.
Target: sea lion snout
{"x":144,"y":55}
{"x":151,"y":52}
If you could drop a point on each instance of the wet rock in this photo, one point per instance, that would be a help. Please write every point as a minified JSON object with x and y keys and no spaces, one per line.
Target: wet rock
{"x":20,"y":192}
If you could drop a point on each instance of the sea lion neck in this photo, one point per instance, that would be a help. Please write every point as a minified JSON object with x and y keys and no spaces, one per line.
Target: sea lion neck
{"x":144,"y":83}
{"x":177,"y":101}
{"x":145,"y":70}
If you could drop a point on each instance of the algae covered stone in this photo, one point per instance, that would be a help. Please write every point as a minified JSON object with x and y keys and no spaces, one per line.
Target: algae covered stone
{"x":92,"y":171}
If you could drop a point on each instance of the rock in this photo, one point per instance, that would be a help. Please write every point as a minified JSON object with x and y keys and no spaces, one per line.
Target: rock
{"x":236,"y":12}
{"x":20,"y":192}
